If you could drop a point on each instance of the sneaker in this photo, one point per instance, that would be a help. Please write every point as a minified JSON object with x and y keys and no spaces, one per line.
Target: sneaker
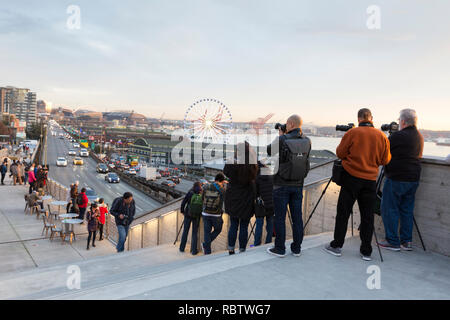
{"x":230,"y":252}
{"x":93,"y":245}
{"x":334,"y":251}
{"x":366,"y":258}
{"x":386,"y":245}
{"x":297,"y":254}
{"x":407,"y":246}
{"x":242,"y":250}
{"x":273,"y":251}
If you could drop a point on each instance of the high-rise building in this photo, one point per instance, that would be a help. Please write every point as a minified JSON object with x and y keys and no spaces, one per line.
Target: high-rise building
{"x":20,"y":102}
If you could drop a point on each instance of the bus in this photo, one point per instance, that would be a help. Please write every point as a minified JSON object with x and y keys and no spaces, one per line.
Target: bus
{"x":132,"y":160}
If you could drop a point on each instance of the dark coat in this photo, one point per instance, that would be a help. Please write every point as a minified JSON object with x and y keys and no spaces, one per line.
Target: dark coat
{"x":92,"y":219}
{"x":119,"y":207}
{"x":264,"y":189}
{"x":239,"y":198}
{"x":185,"y":203}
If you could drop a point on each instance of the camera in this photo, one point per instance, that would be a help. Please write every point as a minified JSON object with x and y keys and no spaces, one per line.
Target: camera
{"x":125,"y":220}
{"x":345,"y":127}
{"x":391,"y":127}
{"x":281,"y":127}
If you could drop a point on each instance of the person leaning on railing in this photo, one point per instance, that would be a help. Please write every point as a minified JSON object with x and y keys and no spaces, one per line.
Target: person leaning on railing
{"x":191,"y":208}
{"x":362,"y":151}
{"x":402,"y":181}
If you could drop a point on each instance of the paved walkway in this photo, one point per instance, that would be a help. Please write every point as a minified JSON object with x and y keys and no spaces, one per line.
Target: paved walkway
{"x":21,"y":245}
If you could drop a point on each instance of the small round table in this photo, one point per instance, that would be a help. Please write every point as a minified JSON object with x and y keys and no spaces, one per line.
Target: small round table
{"x":68,"y":215}
{"x":46,"y":198}
{"x":68,"y":227}
{"x":59,"y":204}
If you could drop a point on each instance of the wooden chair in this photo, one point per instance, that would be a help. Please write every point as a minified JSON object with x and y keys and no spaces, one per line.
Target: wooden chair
{"x":71,"y":234}
{"x":56,"y":230}
{"x":40,"y":211}
{"x":52,"y":214}
{"x":47,"y":226}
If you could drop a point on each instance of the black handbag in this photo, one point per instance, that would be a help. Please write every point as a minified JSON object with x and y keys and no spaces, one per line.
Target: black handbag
{"x":260,"y":209}
{"x":338,"y":172}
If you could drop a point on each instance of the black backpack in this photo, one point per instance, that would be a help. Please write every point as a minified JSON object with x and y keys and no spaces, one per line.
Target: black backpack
{"x":296,"y":155}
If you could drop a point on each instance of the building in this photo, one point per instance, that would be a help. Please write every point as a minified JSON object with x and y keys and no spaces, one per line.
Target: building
{"x":20,"y":102}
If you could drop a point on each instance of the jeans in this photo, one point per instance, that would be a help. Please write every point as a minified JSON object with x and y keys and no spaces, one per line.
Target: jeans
{"x":92,"y":235}
{"x":32,"y":184}
{"x":82,"y":212}
{"x":100,"y":229}
{"x":25,"y":178}
{"x":259,"y":230}
{"x":123,"y":233}
{"x":398,"y":204}
{"x":282,"y":197}
{"x":242,"y":224}
{"x":364,"y":191}
{"x":186,"y":226}
{"x":3,"y":178}
{"x":208,"y":224}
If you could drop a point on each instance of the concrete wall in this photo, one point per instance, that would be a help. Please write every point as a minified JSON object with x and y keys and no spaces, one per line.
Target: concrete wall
{"x":432,"y":212}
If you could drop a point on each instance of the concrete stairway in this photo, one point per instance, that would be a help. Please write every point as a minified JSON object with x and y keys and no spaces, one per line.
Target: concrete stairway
{"x":131,"y":274}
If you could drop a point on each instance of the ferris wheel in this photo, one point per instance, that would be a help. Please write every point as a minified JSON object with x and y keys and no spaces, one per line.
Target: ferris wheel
{"x":208,"y":120}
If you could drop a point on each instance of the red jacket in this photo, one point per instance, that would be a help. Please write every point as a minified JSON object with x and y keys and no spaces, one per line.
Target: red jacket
{"x":85,"y":201}
{"x":103,"y":212}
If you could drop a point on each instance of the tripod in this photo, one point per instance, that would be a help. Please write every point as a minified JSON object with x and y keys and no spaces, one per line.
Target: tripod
{"x":179,"y":231}
{"x":317,"y":204}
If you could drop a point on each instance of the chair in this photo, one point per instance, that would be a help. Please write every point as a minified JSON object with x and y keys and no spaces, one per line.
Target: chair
{"x":56,"y":230}
{"x":52,"y":214}
{"x":47,"y":225}
{"x":27,"y":199}
{"x":69,"y":233}
{"x":40,"y":211}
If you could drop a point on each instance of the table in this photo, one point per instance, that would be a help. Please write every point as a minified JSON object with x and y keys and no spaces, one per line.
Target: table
{"x":59,"y":204}
{"x":46,"y":198}
{"x":68,"y":215}
{"x":68,"y":225}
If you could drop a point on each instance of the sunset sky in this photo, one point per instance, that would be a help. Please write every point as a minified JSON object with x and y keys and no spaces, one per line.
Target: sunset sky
{"x":314,"y":58}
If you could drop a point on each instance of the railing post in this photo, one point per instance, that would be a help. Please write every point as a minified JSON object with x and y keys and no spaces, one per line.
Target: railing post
{"x":142,"y":235}
{"x":157,"y":230}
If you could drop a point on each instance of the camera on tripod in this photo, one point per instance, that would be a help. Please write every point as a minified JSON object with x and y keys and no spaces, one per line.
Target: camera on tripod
{"x":345,"y":127}
{"x":391,"y":127}
{"x":281,"y":127}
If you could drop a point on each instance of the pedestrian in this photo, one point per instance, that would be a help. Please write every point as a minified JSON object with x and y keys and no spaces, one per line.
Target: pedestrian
{"x":123,"y":209}
{"x":4,"y":170}
{"x":25,"y":170}
{"x":32,"y":178}
{"x":14,"y":169}
{"x":73,"y":198}
{"x":401,"y":183}
{"x":69,"y":198}
{"x":82,"y":202}
{"x":362,"y":150}
{"x":213,"y":199}
{"x":293,"y":156}
{"x":21,"y":171}
{"x":264,"y":190}
{"x":103,"y":208}
{"x":241,"y":194}
{"x":191,"y":208}
{"x":92,"y":224}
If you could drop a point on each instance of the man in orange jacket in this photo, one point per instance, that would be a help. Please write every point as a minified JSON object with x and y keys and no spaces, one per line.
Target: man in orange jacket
{"x":362,"y":151}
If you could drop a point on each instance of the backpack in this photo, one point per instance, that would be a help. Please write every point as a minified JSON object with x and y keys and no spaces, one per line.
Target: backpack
{"x":80,"y":199}
{"x":196,"y":205}
{"x":212,"y":199}
{"x":296,"y":152}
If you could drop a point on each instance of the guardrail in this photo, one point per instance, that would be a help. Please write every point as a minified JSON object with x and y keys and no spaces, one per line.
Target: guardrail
{"x":161,"y":225}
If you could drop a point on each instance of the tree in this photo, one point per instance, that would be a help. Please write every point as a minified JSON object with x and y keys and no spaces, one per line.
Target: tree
{"x":34,"y":131}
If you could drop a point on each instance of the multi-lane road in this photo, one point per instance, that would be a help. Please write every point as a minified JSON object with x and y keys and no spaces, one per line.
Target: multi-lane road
{"x":87,"y":175}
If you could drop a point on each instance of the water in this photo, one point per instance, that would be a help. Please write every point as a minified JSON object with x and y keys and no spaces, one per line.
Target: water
{"x":330,"y":143}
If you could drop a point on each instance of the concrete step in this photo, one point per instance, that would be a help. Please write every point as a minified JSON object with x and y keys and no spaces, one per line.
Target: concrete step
{"x":147,"y":278}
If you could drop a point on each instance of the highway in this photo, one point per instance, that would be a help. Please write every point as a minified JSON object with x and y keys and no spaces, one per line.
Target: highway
{"x":87,"y":175}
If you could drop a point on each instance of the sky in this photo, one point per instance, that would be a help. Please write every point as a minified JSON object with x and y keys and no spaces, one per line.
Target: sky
{"x":314,"y":58}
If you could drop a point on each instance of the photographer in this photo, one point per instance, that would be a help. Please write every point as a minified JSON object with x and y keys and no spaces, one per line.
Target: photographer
{"x":294,"y":149}
{"x":123,"y":210}
{"x":402,"y":180}
{"x":362,"y":151}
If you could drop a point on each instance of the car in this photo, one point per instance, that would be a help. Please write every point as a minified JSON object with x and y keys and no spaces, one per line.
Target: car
{"x":84,"y":152}
{"x":61,"y":162}
{"x":91,"y":195}
{"x":102,"y":168}
{"x":77,"y":161}
{"x":61,"y":137}
{"x":112,"y":178}
{"x":168,"y":183}
{"x":76,"y":145}
{"x":175,"y":179}
{"x":72,"y":152}
{"x":131,"y":171}
{"x":158,"y":175}
{"x":112,"y":165}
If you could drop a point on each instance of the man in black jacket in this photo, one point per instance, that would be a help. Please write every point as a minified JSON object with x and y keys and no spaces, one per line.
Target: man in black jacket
{"x":123,"y":209}
{"x":402,"y":181}
{"x":293,"y":157}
